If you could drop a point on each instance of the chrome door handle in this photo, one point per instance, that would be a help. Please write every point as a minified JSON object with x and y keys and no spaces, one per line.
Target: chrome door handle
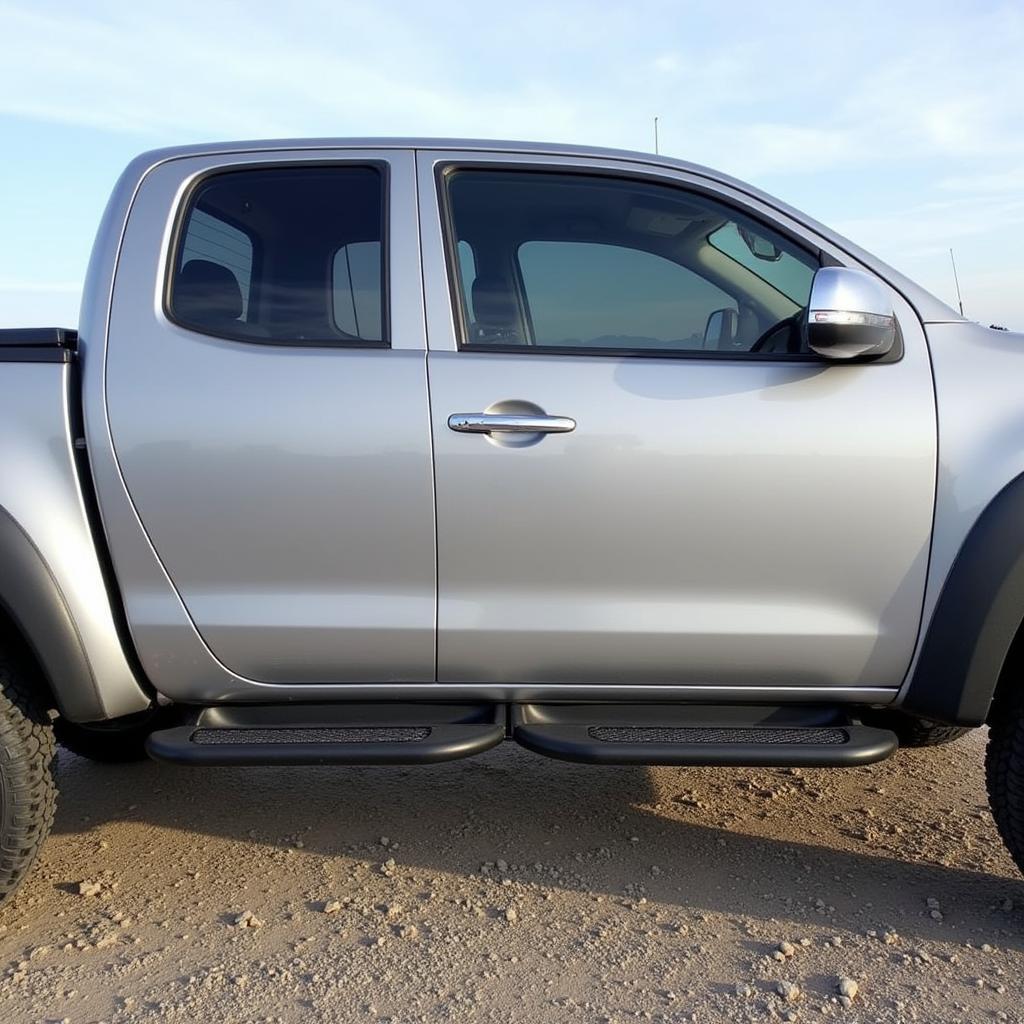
{"x":487,"y":423}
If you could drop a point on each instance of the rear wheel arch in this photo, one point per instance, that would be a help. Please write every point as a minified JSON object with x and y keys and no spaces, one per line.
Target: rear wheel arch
{"x":35,"y":617}
{"x":14,"y":644}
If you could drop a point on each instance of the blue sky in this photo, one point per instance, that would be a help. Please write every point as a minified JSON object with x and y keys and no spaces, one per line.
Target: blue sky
{"x":900,"y":124}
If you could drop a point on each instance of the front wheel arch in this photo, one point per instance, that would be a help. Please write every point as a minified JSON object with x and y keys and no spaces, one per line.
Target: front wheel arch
{"x":974,"y":640}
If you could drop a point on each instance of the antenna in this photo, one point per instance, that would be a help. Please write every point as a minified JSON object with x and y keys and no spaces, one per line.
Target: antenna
{"x":655,"y":134}
{"x":956,"y":281}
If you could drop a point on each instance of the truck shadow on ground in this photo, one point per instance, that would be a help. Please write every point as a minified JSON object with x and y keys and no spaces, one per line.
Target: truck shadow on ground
{"x":627,"y":833}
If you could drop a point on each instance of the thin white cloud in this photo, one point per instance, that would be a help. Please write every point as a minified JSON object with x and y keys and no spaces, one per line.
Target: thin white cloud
{"x":983,"y":229}
{"x":751,"y":90}
{"x":218,"y":71}
{"x":983,"y":182}
{"x":72,"y":287}
{"x":938,"y":223}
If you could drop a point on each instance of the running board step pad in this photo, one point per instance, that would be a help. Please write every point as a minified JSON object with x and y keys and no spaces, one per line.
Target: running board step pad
{"x":329,"y":734}
{"x":738,"y":739}
{"x":369,"y":734}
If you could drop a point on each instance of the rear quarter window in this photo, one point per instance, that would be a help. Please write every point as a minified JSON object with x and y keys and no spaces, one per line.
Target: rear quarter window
{"x":284,"y":255}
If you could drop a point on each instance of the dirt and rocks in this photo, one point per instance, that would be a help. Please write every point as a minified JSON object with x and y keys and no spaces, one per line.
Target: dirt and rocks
{"x":511,"y":888}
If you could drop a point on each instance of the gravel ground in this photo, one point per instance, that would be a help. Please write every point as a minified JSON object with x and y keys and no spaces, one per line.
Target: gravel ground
{"x":513,"y":888}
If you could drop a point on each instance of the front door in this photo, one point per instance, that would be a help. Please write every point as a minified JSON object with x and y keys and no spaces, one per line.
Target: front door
{"x":698,"y":499}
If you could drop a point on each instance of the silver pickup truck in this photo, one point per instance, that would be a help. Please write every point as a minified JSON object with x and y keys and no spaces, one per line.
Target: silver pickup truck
{"x":385,"y":451}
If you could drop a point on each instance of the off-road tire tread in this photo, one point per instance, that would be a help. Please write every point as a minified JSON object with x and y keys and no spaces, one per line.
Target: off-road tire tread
{"x":912,"y":731}
{"x":28,"y":785}
{"x":1004,"y":774}
{"x":922,"y":733}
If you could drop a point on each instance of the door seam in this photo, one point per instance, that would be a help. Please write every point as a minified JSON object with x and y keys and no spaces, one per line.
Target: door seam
{"x":430,"y":411}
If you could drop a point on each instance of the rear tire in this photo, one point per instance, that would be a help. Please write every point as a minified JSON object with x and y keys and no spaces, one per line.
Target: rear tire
{"x":28,"y":788}
{"x":118,"y":741}
{"x":916,"y":732}
{"x":1004,"y":774}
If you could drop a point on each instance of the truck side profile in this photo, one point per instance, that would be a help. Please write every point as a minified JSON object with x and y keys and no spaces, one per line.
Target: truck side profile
{"x":385,"y":451}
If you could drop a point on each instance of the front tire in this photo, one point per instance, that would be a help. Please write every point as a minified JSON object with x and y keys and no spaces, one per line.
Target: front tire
{"x":1004,"y":774}
{"x":916,"y":732}
{"x":28,"y":788}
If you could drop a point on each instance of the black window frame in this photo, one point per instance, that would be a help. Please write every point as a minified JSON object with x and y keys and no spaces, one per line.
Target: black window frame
{"x":446,"y":171}
{"x":179,"y":230}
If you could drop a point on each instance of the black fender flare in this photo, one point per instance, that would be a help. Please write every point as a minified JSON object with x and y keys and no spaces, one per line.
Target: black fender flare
{"x":33,"y":601}
{"x":976,"y":618}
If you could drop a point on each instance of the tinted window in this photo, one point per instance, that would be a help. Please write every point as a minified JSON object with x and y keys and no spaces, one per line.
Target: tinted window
{"x":216,"y":241}
{"x":292,"y":255}
{"x":356,"y":284}
{"x":467,"y":265}
{"x":577,"y":262}
{"x":782,"y":268}
{"x":609,"y":296}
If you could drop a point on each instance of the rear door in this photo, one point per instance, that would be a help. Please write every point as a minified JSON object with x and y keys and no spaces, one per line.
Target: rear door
{"x":267,"y":403}
{"x":727,"y":510}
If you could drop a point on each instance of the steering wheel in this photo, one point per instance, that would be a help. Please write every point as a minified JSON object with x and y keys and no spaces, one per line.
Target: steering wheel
{"x":789,"y":326}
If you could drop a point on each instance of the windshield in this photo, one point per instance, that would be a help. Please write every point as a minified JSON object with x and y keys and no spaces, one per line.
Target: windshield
{"x":783,"y":268}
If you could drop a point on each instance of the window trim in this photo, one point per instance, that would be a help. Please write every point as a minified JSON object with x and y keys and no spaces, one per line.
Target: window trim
{"x":177,"y":237}
{"x":446,"y":170}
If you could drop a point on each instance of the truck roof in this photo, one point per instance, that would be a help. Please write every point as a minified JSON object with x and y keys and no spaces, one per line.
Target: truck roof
{"x":428,"y":143}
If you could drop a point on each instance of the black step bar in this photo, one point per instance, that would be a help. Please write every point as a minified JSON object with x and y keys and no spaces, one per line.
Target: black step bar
{"x":747,"y":737}
{"x":427,"y":733}
{"x":365,"y":734}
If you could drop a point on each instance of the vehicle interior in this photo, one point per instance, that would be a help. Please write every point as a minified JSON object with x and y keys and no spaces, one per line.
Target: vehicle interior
{"x":761,"y":280}
{"x":573,"y":261}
